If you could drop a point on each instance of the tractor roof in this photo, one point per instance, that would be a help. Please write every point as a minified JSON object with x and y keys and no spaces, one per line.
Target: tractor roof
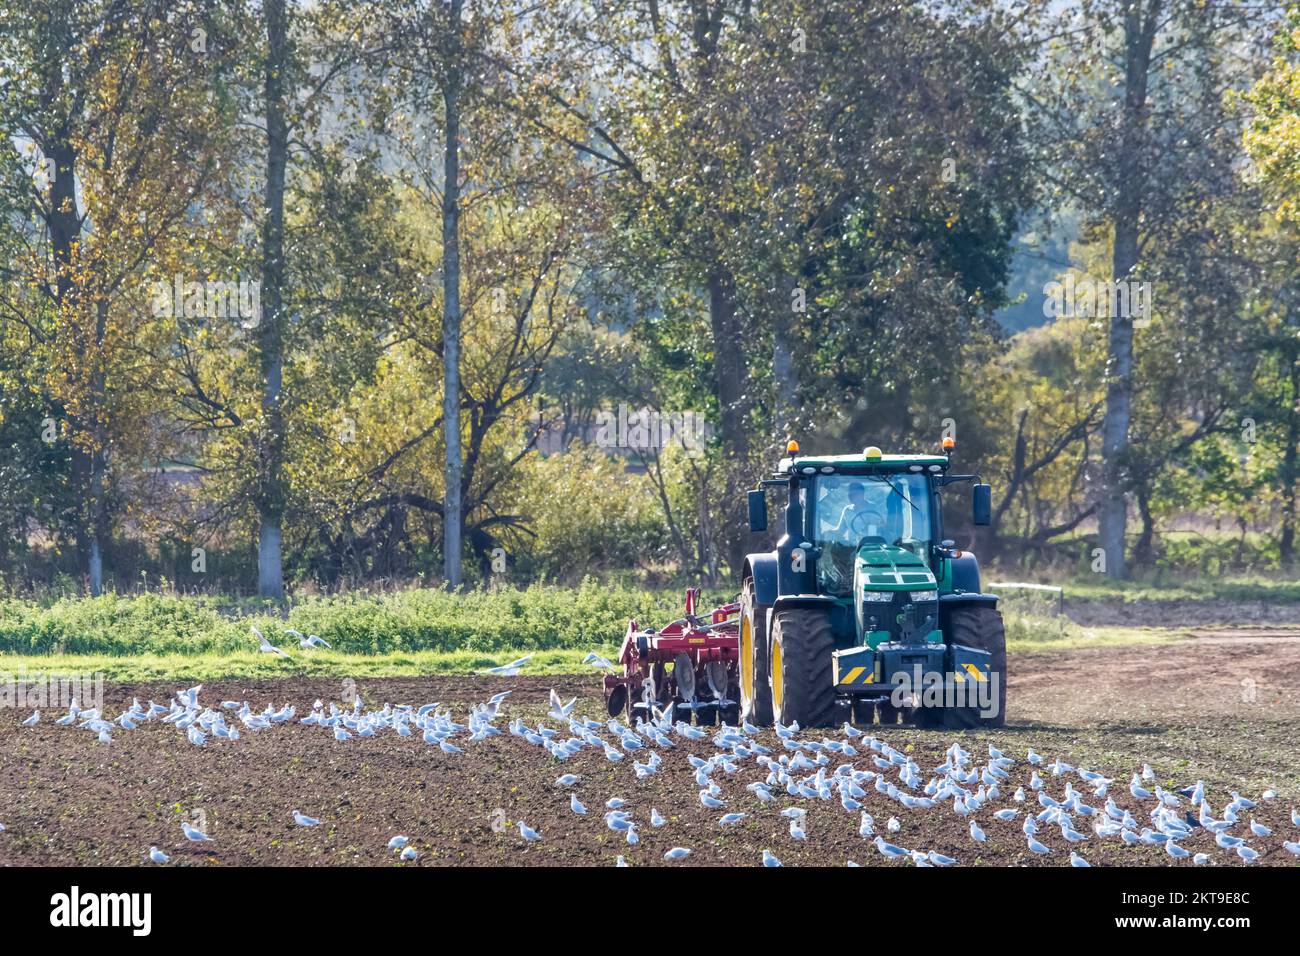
{"x":860,"y":461}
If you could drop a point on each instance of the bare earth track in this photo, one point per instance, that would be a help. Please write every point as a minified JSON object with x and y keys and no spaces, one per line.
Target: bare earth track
{"x":1183,"y":707}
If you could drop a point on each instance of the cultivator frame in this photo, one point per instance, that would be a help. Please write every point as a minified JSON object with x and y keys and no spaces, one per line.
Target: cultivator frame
{"x":656,"y":664}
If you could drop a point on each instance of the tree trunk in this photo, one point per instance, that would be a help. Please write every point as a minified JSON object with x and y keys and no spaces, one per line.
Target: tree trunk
{"x":451,"y":317}
{"x":1139,"y":34}
{"x":1113,"y":514}
{"x":271,"y":491}
{"x":1286,"y":544}
{"x":728,"y":362}
{"x":1144,"y":550}
{"x":96,"y":504}
{"x":730,"y":384}
{"x":65,"y":232}
{"x":785,"y":373}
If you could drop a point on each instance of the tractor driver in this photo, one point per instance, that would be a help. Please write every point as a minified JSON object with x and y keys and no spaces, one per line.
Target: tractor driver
{"x":859,"y":519}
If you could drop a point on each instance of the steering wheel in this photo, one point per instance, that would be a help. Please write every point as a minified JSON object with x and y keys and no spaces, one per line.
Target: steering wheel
{"x":871,"y":518}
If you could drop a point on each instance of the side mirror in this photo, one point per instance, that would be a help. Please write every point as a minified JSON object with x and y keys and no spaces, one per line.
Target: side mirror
{"x":757,"y":511}
{"x":981,"y":504}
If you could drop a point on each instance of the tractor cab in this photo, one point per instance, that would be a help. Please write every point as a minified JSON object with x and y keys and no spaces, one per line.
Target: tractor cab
{"x":862,"y":587}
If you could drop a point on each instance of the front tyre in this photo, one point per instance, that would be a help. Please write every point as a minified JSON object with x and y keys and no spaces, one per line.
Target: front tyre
{"x":803,"y":685}
{"x":755,"y":690}
{"x":980,"y":626}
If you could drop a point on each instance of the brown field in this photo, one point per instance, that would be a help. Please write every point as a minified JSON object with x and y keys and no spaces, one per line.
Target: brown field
{"x":1221,"y":706}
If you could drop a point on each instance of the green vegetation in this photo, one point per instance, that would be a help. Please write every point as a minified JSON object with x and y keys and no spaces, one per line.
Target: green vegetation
{"x":537,"y":618}
{"x":402,"y":633}
{"x":1033,"y":633}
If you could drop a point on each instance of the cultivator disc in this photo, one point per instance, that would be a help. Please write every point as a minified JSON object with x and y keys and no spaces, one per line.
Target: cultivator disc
{"x":684,"y":678}
{"x":718,"y":677}
{"x":691,"y":657}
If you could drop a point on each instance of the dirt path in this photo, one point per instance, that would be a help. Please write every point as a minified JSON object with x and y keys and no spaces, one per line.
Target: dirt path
{"x":65,"y":798}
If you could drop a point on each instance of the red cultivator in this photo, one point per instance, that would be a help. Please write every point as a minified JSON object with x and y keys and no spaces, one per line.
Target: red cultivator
{"x":691,"y":662}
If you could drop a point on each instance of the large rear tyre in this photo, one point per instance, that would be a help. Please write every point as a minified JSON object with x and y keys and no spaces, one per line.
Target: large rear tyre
{"x":755,"y":688}
{"x":980,"y":626}
{"x":803,"y":685}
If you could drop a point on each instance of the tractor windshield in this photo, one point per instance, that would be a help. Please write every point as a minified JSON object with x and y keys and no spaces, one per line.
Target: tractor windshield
{"x":883,"y":510}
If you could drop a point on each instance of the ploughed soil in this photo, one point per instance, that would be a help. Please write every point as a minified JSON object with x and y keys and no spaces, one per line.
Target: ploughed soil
{"x":1221,"y":707}
{"x":1179,"y":613}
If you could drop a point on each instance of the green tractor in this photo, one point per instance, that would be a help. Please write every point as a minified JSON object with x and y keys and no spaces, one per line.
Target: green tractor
{"x":862,"y":609}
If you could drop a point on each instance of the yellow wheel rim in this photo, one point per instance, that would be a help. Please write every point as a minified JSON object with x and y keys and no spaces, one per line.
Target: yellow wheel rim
{"x":777,"y":686}
{"x":746,"y":659}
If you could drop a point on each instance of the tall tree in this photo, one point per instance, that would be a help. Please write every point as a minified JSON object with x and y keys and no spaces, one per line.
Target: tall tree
{"x":457,"y":82}
{"x":1141,"y":21}
{"x":118,"y":104}
{"x":270,"y":494}
{"x":1273,"y":142}
{"x":786,"y":168}
{"x":1141,"y":80}
{"x":453,"y":513}
{"x":233,"y":385}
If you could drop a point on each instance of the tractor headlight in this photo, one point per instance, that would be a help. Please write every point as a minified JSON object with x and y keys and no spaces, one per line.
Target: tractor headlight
{"x":924,"y":595}
{"x":878,"y":596}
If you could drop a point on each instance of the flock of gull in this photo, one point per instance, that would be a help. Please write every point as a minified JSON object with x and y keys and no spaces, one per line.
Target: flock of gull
{"x":1066,"y":806}
{"x":959,"y":782}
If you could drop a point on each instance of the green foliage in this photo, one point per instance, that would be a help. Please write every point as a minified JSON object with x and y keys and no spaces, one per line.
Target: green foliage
{"x":588,"y":514}
{"x":1274,"y":136}
{"x":118,"y":625}
{"x":1031,"y":625}
{"x":539,"y":617}
{"x":794,"y":216}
